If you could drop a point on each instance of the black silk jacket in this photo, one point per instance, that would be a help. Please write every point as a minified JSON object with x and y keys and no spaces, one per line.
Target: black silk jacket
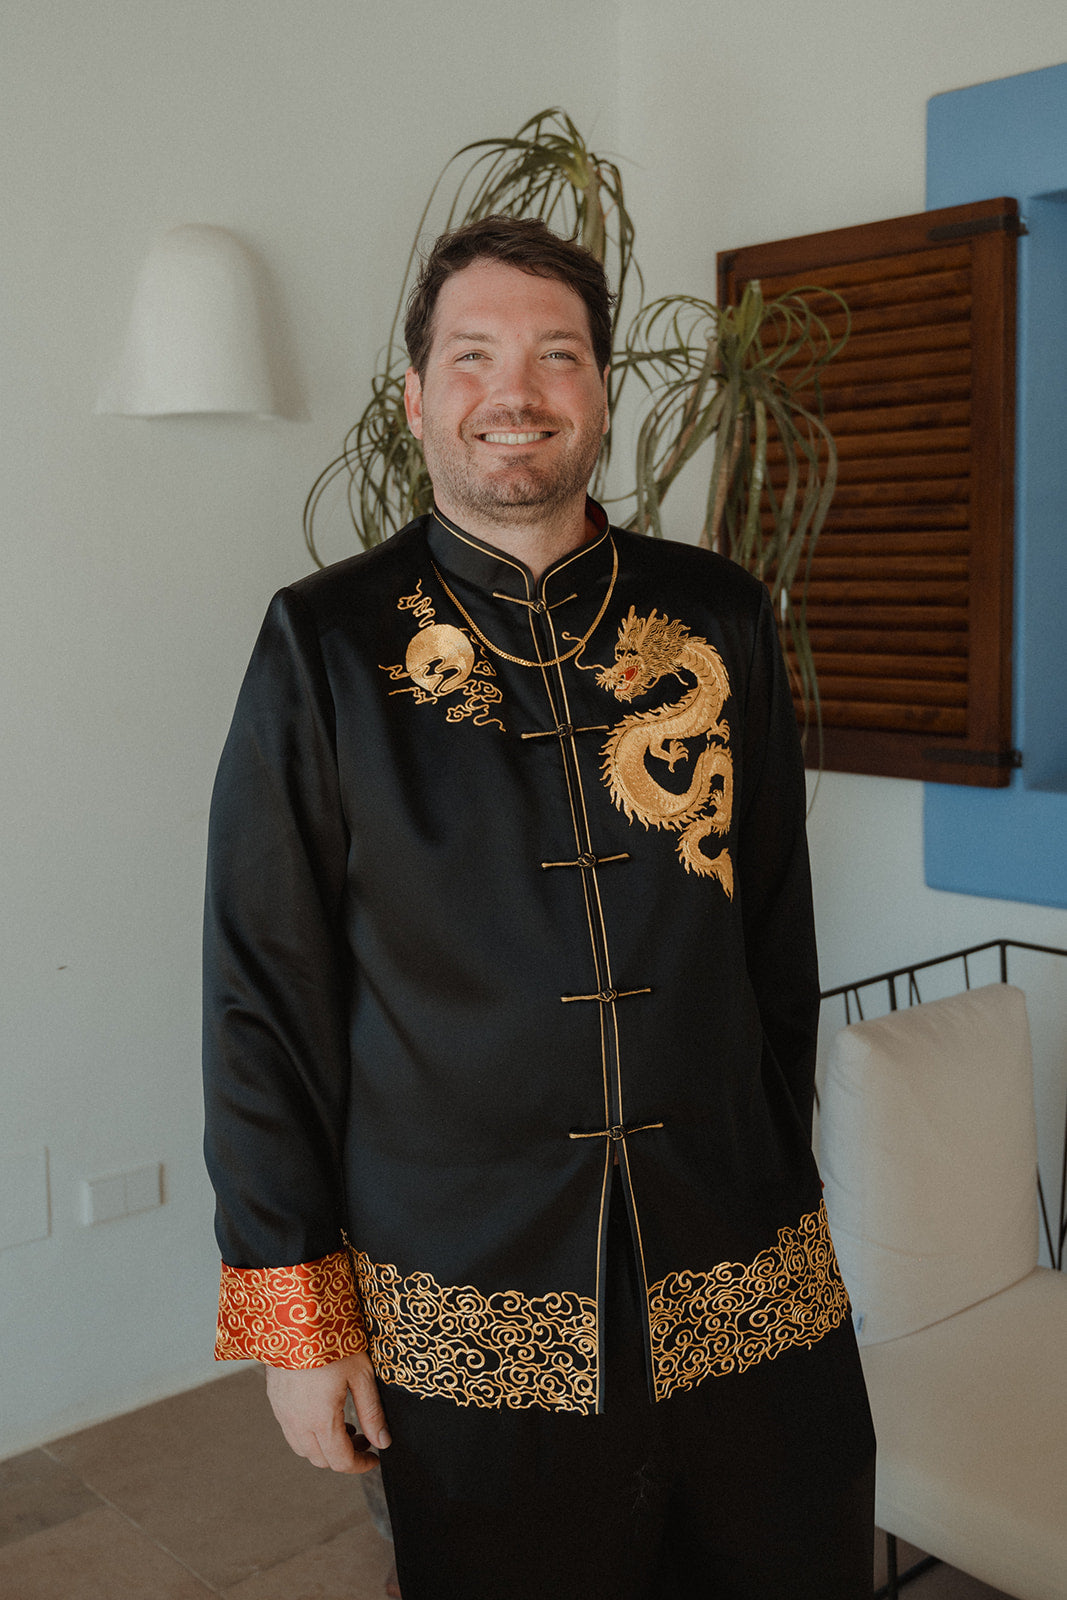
{"x":506,"y":878}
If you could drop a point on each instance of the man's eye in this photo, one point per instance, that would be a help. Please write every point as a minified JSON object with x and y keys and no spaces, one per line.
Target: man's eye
{"x":471,"y":355}
{"x":561,"y":355}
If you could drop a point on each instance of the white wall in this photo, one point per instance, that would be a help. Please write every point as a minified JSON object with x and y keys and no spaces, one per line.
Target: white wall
{"x":138,"y":556}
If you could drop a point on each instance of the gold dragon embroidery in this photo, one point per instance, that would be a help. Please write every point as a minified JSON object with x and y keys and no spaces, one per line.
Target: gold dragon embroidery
{"x":647,"y":649}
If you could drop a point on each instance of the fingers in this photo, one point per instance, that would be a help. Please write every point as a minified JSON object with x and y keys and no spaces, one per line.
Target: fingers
{"x":336,"y":1450}
{"x":368,"y":1404}
{"x":366,"y":1458}
{"x":331,"y":1445}
{"x":309,"y":1405}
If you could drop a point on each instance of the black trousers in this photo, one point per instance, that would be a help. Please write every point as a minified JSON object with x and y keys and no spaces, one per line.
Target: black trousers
{"x":757,"y":1486}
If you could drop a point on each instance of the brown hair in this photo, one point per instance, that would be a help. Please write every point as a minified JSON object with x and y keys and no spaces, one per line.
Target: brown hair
{"x":522,"y":242}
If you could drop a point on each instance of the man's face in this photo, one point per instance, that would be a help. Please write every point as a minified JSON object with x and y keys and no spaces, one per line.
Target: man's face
{"x":512,"y":409}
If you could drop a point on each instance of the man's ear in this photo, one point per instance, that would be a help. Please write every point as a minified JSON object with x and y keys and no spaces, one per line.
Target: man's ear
{"x":607,"y":413}
{"x":413,"y":401}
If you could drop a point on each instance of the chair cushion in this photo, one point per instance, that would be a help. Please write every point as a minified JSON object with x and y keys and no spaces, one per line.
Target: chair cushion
{"x":971,"y":1418}
{"x":928,"y":1151}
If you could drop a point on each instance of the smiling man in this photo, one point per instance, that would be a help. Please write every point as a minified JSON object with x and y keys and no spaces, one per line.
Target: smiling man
{"x":511,"y":407}
{"x":511,"y":999}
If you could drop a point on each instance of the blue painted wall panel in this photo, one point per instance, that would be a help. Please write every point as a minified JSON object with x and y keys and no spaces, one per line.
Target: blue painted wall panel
{"x":1010,"y":137}
{"x":989,"y":139}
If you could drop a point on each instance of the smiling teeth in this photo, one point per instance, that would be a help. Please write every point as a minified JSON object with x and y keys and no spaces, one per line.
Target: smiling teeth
{"x":513,"y":438}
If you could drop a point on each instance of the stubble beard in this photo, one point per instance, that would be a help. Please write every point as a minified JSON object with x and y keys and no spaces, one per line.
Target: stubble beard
{"x":517,"y":492}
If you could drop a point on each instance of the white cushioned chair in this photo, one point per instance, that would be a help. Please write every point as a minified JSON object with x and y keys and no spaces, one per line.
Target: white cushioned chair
{"x":927,"y":1148}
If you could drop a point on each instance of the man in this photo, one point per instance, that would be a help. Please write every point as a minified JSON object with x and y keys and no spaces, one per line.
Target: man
{"x":511,"y":988}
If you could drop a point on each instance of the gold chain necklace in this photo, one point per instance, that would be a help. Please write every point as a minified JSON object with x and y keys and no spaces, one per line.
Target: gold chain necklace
{"x":518,"y":660}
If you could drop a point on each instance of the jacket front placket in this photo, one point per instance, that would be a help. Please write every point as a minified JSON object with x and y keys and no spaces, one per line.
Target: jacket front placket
{"x":559,"y":616}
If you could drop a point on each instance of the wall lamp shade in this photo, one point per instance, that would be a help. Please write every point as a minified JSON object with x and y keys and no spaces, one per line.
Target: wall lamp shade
{"x":196,"y":336}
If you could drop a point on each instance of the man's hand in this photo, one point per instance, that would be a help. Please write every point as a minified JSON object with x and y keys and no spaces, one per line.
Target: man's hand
{"x":310,"y":1406}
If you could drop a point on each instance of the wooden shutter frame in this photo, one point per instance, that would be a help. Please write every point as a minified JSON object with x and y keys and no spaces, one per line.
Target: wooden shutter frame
{"x":983,"y":755}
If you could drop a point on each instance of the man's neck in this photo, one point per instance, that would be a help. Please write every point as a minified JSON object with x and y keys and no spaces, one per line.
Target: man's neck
{"x":538,"y":544}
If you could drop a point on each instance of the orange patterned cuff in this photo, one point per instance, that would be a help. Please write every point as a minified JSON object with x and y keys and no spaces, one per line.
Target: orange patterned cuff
{"x":301,"y":1316}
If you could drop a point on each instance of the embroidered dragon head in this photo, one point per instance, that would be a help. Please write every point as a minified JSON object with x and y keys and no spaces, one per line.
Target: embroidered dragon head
{"x":647,"y":648}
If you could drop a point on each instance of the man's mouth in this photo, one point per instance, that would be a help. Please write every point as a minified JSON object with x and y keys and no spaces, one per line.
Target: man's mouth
{"x":514,"y":438}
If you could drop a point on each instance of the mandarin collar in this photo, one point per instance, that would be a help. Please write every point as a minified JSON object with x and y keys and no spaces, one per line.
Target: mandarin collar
{"x":469,"y":557}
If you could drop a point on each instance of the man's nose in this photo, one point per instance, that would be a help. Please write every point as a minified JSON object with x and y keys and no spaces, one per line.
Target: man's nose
{"x":518,"y":383}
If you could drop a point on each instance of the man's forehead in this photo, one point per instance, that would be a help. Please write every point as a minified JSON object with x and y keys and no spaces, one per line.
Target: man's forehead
{"x":572,"y":333}
{"x":481,"y":297}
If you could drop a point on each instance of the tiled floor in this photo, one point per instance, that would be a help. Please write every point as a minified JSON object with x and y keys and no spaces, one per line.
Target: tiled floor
{"x":195,"y":1496}
{"x":200,"y":1495}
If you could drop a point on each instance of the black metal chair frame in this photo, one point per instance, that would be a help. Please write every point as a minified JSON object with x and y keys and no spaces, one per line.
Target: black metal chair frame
{"x":905,"y":980}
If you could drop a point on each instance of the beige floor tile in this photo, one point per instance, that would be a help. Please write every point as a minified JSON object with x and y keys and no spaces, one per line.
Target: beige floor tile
{"x":208,"y":1475}
{"x":352,"y":1566}
{"x":37,"y":1493}
{"x":97,"y":1556}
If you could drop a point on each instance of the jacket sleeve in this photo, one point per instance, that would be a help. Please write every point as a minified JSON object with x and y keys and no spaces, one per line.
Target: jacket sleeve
{"x":774,"y":872}
{"x":276,"y":996}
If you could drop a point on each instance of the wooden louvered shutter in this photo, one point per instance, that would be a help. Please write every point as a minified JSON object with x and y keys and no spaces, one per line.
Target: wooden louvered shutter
{"x":910,"y":597}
